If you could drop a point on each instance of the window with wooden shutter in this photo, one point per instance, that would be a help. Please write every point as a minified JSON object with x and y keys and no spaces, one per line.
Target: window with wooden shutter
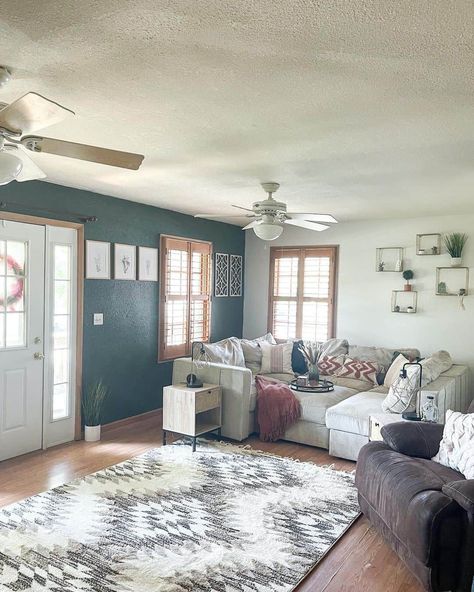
{"x":185,"y":303}
{"x":302,"y":292}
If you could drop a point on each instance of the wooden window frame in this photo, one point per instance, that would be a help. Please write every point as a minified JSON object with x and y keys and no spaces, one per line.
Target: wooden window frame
{"x":173,"y":352}
{"x":302,"y":252}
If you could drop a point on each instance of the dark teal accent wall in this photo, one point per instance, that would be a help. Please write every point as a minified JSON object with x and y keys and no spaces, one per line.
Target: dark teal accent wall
{"x":123,"y":352}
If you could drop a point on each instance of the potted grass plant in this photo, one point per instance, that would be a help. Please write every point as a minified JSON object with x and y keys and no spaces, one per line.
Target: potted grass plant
{"x":455,"y":243}
{"x":311,"y":353}
{"x":92,"y":403}
{"x":407,"y":276}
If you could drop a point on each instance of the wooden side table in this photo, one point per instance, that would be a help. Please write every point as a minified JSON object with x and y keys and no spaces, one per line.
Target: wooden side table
{"x":192,"y":412}
{"x":378,"y":420}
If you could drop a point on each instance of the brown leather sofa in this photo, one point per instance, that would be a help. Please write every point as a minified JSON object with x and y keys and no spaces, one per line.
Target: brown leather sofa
{"x":424,"y":510}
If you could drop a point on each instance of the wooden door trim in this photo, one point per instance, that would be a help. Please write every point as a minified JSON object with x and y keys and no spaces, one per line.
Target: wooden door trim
{"x":40,"y":221}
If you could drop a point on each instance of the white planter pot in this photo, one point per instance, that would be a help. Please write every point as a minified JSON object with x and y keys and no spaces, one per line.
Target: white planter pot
{"x":92,"y":433}
{"x":456,"y":261}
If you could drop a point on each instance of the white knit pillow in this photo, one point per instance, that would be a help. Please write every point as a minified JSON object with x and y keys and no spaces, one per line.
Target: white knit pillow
{"x":456,"y":450}
{"x":276,"y":359}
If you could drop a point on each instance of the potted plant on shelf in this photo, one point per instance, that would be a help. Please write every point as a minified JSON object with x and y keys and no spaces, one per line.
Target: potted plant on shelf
{"x":455,"y":244}
{"x":92,"y":403}
{"x":407,"y":276}
{"x":311,"y":353}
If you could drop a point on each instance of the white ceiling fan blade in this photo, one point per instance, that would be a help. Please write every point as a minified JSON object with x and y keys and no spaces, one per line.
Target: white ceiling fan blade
{"x":313,"y":217}
{"x":30,"y":170}
{"x":224,"y":216}
{"x":251,"y":225}
{"x":124,"y":160}
{"x":242,"y":208}
{"x":308,"y":225}
{"x":31,"y":112}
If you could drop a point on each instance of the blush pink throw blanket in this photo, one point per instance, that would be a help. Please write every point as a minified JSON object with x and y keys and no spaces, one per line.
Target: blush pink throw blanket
{"x":277,"y":408}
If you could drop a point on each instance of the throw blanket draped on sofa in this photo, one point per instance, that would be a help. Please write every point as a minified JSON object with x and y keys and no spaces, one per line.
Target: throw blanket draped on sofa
{"x":277,"y":408}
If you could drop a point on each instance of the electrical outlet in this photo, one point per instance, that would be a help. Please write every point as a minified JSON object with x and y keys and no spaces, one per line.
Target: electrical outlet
{"x":98,"y":318}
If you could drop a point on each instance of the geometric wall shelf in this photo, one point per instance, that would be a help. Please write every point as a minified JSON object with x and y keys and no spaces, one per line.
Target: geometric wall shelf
{"x":235,"y":283}
{"x":452,"y":281}
{"x":404,"y":301}
{"x":221,"y":281}
{"x":389,"y":259}
{"x":428,"y":244}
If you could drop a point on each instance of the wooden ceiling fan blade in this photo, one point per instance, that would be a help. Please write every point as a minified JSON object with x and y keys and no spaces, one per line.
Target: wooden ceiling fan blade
{"x":308,"y":225}
{"x":313,"y":217}
{"x":32,"y":112}
{"x":124,"y":160}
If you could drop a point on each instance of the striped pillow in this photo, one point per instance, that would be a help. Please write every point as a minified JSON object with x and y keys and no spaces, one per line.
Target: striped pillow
{"x":276,"y":359}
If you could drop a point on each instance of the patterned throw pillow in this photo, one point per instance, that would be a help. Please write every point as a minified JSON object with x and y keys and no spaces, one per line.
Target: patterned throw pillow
{"x":456,"y":450}
{"x":359,"y":369}
{"x":276,"y":359}
{"x":330,"y":365}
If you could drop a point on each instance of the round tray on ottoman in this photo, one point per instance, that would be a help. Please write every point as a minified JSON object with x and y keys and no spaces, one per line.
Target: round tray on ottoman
{"x":322,"y":386}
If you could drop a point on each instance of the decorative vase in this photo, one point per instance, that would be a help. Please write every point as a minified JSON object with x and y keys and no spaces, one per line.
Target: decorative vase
{"x":92,"y":433}
{"x":456,"y":261}
{"x":313,"y":373}
{"x":407,"y":288}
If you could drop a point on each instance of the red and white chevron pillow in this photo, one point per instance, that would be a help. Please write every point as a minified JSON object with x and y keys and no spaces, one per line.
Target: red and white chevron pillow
{"x":359,"y":369}
{"x":330,"y":365}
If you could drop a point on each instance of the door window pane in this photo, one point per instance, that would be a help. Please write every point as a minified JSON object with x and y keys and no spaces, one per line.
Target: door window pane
{"x":62,"y":331}
{"x":15,"y":329}
{"x":12,"y":293}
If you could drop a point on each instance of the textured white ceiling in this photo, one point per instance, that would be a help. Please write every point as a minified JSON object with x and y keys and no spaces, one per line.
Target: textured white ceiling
{"x":363,"y":109}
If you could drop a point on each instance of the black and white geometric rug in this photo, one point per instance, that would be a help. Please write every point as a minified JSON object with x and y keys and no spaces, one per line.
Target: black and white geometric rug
{"x":222,"y":519}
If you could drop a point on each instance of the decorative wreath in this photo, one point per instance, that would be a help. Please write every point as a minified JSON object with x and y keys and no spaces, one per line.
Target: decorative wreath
{"x":16,"y":289}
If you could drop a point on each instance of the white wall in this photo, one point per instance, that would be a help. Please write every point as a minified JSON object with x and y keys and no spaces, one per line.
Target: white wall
{"x":364,"y":296}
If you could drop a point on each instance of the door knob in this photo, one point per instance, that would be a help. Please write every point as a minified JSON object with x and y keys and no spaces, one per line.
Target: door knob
{"x":38,"y":356}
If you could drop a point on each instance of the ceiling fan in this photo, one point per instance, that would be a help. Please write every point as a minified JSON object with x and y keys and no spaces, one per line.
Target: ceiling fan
{"x":32,"y":112}
{"x":270,"y":216}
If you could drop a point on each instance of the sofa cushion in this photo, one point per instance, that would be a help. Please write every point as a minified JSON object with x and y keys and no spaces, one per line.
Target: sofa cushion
{"x":315,"y":405}
{"x":407,"y":494}
{"x":352,"y":383}
{"x":352,"y":415}
{"x":382,"y":355}
{"x":435,"y":365}
{"x":276,"y":358}
{"x":252,"y":351}
{"x":227,"y":351}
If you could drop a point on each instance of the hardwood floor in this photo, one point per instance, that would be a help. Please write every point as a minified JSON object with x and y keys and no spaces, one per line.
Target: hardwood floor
{"x":359,"y":562}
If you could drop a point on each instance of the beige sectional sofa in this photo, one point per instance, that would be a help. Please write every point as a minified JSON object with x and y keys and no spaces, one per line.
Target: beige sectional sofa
{"x":338,"y":420}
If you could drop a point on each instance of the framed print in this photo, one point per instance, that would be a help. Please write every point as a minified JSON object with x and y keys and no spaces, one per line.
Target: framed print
{"x":124,"y":262}
{"x":97,"y":260}
{"x":221,"y":276}
{"x":147,"y":264}
{"x":235,"y":283}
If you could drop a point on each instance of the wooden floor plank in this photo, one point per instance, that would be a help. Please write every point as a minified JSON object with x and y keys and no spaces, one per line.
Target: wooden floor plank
{"x":359,"y":562}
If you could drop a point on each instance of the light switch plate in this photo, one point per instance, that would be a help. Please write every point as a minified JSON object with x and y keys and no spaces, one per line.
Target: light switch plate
{"x":98,"y":318}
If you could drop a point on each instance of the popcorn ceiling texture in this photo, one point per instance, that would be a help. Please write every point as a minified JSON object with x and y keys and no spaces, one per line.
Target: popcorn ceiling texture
{"x":359,"y":108}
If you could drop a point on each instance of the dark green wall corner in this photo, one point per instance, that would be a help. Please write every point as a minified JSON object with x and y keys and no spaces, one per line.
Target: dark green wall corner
{"x":123,"y":352}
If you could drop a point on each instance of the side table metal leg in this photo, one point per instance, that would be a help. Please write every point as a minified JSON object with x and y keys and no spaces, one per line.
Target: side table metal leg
{"x":164,"y":437}
{"x":219,"y":432}
{"x":194,"y":444}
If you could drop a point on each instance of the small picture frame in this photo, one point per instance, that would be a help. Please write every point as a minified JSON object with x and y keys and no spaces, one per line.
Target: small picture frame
{"x":125,"y":262}
{"x":97,"y":260}
{"x":147,"y":264}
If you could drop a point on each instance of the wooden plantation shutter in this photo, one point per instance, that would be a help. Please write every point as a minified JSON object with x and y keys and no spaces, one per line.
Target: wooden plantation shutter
{"x":185,"y":295}
{"x":302,"y":292}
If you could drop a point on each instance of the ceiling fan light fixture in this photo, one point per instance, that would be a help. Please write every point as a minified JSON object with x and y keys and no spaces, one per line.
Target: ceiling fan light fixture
{"x":268,"y":232}
{"x":10,"y":168}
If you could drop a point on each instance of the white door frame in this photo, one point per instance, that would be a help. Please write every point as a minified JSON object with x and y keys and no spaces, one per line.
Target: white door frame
{"x":79,"y":298}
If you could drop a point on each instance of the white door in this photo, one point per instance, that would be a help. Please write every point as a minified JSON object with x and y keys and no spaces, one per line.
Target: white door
{"x":22,"y":282}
